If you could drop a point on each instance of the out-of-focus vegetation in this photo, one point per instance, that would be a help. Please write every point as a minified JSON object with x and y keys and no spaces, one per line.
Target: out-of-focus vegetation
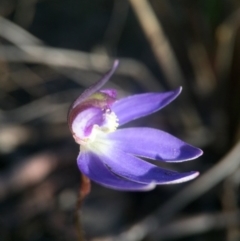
{"x":50,"y":50}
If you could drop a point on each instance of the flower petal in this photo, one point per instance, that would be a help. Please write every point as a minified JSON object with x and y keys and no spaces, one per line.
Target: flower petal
{"x":136,"y":106}
{"x":96,"y":86}
{"x":83,"y":123}
{"x":137,"y":170}
{"x":153,"y":144}
{"x":91,"y":166}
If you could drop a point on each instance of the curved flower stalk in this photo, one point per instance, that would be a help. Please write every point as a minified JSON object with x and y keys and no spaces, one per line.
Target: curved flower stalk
{"x":111,"y":156}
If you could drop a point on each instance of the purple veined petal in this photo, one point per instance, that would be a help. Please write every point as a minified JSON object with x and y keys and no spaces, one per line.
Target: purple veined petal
{"x":85,"y":120}
{"x":136,"y":106}
{"x":153,"y":144}
{"x":97,"y":86}
{"x":91,"y":166}
{"x":137,"y":170}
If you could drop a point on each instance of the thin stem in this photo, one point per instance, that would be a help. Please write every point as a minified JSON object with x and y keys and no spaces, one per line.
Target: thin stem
{"x":84,"y":190}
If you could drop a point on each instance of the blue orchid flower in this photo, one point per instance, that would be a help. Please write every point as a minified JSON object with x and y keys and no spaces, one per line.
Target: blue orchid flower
{"x":112,"y":157}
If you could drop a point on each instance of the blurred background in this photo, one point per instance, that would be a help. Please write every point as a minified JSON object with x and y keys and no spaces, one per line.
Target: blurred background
{"x":50,"y":50}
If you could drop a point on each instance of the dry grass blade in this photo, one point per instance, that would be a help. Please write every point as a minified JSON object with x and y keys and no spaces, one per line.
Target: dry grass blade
{"x":31,"y":49}
{"x":197,"y":225}
{"x":159,"y":43}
